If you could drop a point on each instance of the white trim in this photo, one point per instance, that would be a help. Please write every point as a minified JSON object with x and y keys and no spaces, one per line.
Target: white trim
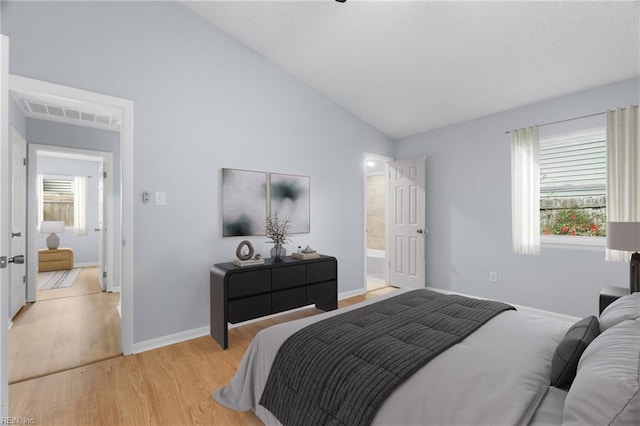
{"x":85,"y":265}
{"x":547,"y":314}
{"x":536,"y":311}
{"x":36,"y":151}
{"x":352,"y":293}
{"x":5,"y":224}
{"x":170,"y":339}
{"x":194,"y":333}
{"x":573,"y":242}
{"x":125,"y":107}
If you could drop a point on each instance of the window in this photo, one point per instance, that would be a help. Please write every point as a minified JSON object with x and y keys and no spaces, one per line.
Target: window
{"x":57,"y":200}
{"x":573,"y":182}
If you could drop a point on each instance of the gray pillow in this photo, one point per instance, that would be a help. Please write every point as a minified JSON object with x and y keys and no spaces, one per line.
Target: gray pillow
{"x":606,"y":390}
{"x":565,"y":359}
{"x":625,"y":308}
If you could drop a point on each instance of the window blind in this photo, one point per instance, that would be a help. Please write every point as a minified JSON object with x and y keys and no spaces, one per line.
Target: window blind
{"x":58,"y":186}
{"x":574,"y":165}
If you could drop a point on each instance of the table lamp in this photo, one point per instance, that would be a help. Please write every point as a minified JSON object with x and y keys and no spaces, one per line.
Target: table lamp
{"x":625,"y":236}
{"x":52,"y":226}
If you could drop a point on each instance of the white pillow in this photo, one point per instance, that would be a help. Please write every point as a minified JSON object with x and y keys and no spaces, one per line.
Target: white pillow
{"x":606,"y":390}
{"x":625,"y":308}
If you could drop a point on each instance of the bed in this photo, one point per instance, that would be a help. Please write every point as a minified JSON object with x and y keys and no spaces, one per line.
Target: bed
{"x":499,"y":374}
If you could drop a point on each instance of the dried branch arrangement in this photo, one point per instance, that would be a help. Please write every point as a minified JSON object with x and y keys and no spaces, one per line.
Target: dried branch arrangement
{"x":277,"y":230}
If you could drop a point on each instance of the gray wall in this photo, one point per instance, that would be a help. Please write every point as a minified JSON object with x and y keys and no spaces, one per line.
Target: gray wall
{"x":202,"y":101}
{"x":85,"y":248}
{"x":468,"y":172}
{"x":54,"y":134}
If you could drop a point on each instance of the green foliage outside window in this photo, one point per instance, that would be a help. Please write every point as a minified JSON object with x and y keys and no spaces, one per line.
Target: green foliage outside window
{"x":574,"y":221}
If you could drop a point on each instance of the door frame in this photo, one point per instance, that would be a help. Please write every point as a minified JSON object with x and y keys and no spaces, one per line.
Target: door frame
{"x":125,"y":107}
{"x":367,"y":157}
{"x":16,"y":138}
{"x":32,"y":203}
{"x":5,"y":223}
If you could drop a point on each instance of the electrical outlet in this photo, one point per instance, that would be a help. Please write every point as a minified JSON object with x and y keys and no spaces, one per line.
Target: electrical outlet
{"x":493,"y":277}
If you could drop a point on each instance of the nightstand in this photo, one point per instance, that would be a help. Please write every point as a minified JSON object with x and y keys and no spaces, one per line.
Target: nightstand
{"x":609,"y":294}
{"x":55,"y":260}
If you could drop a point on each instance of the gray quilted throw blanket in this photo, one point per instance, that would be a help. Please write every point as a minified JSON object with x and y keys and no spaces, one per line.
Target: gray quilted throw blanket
{"x":340,"y":370}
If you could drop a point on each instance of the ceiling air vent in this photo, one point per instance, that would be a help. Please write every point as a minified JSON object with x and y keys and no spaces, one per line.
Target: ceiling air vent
{"x":64,"y":111}
{"x":57,"y":111}
{"x":39,"y":108}
{"x":88,"y":116}
{"x":70,"y":113}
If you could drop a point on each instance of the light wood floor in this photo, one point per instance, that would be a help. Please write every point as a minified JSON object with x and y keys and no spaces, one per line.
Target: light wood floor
{"x":167,"y":386}
{"x":65,"y":328}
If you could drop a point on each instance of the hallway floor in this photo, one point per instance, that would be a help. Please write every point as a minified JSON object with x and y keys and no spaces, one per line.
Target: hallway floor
{"x":65,"y":328}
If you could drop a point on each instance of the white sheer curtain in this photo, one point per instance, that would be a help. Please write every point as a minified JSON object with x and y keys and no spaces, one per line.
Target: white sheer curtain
{"x":80,"y":205}
{"x":40,"y":195}
{"x":623,"y":170}
{"x":525,"y":190}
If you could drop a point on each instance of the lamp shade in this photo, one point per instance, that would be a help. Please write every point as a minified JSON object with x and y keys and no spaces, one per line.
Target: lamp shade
{"x":52,"y":226}
{"x":623,"y":236}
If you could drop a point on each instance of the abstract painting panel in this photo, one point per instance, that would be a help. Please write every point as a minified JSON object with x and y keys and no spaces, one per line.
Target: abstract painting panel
{"x":244,"y":202}
{"x":290,"y":198}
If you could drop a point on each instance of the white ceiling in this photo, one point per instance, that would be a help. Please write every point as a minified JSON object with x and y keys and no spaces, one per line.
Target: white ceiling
{"x":409,"y":66}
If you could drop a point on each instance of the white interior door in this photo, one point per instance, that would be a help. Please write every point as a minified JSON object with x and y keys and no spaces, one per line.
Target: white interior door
{"x":4,"y":224}
{"x":18,"y":296}
{"x":407,"y":223}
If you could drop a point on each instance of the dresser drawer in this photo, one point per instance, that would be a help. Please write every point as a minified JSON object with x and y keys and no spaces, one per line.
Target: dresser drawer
{"x":323,"y":292}
{"x":288,"y":276}
{"x":249,"y":283}
{"x":249,"y":308}
{"x":288,"y":299}
{"x":52,"y":256}
{"x":321,"y":271}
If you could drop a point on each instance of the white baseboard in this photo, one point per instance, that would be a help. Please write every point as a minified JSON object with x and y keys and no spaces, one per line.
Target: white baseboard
{"x":347,"y":294}
{"x":536,"y":311}
{"x":84,"y":265}
{"x":171,"y":339}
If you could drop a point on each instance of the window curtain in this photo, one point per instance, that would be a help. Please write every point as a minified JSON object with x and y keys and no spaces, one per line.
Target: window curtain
{"x":80,"y":205}
{"x":40,"y":195}
{"x":623,"y":170}
{"x":525,"y":190}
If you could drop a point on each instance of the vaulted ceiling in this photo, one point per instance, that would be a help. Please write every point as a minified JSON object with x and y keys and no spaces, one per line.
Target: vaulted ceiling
{"x":409,"y":66}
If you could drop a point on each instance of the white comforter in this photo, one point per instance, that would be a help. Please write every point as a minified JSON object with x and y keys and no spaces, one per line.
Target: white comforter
{"x":496,"y":376}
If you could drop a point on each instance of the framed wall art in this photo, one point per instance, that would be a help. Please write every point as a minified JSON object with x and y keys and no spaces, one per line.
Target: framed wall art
{"x":290,"y":198}
{"x":244,"y":202}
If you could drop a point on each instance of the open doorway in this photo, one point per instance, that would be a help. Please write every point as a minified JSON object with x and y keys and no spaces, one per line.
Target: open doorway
{"x":376,"y":232}
{"x":78,"y":322}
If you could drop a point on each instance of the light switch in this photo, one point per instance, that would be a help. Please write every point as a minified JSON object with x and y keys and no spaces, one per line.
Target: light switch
{"x":161,"y":198}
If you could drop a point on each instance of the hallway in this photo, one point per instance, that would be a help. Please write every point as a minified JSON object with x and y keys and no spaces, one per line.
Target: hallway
{"x":65,"y":328}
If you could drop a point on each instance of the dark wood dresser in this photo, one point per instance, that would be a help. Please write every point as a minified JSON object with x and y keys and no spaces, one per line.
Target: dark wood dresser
{"x":243,"y":293}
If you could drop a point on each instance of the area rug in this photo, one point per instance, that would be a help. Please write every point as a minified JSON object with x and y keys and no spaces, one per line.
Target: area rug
{"x":57,"y":279}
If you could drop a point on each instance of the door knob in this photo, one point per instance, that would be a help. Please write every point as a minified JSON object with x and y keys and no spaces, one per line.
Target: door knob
{"x":16,"y":234}
{"x":97,"y":229}
{"x":18,"y":260}
{"x":420,"y":231}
